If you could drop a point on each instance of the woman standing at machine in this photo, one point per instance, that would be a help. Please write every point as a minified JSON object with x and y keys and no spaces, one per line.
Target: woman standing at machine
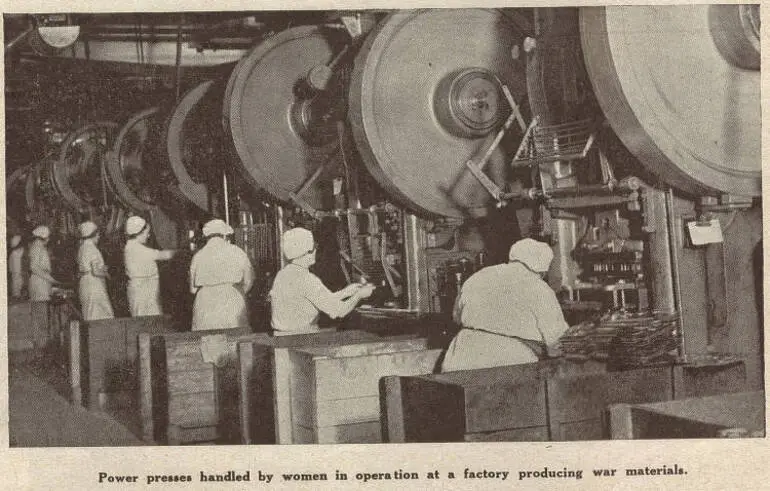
{"x":142,"y":269}
{"x":94,"y":301}
{"x":298,"y":296}
{"x":220,"y":276}
{"x":40,"y":284}
{"x":15,"y":268}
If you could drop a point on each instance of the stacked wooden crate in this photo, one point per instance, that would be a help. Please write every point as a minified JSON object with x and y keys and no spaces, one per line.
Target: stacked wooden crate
{"x":335,"y":389}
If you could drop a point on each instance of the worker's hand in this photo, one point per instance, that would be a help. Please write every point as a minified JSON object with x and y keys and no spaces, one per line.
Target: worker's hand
{"x":350,"y":289}
{"x":366,"y":290}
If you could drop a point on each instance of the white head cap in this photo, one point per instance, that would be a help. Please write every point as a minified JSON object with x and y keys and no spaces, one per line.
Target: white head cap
{"x":297,"y":242}
{"x":134,"y":225}
{"x":87,"y":229}
{"x":216,"y":226}
{"x":42,"y":232}
{"x":536,"y":255}
{"x":15,"y":240}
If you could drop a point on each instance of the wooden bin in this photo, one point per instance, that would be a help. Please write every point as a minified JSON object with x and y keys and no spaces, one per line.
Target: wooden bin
{"x":577,"y":405}
{"x":103,"y":356}
{"x":700,"y":417}
{"x":507,"y":403}
{"x":178,"y":394}
{"x":335,"y":390}
{"x":263,"y":363}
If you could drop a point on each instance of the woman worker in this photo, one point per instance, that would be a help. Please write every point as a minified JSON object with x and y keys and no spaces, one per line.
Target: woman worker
{"x":220,"y":276}
{"x":142,"y":269}
{"x":94,"y":301}
{"x":15,"y":267}
{"x":298,"y":296}
{"x":509,"y":315}
{"x":40,"y":284}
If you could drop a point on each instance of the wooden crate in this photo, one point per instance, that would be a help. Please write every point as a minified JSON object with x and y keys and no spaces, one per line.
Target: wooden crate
{"x":700,"y":417}
{"x":577,"y":404}
{"x":492,"y":404}
{"x":335,"y":390}
{"x":179,"y":401}
{"x":103,"y":357}
{"x":264,"y":371}
{"x":706,"y":379}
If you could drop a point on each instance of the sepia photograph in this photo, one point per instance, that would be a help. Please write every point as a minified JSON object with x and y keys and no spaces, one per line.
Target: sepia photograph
{"x":249,"y":228}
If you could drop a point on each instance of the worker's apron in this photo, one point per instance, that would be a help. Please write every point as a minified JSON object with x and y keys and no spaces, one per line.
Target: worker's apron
{"x":219,"y":306}
{"x":144,"y":296}
{"x":474,"y":349}
{"x":94,"y":302}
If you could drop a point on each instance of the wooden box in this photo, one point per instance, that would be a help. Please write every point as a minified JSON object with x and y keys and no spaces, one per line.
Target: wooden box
{"x":264,"y":371}
{"x":706,"y":379}
{"x":493,"y":404}
{"x":335,"y":390}
{"x":178,"y":393}
{"x":700,"y":417}
{"x":577,"y":404}
{"x":103,"y":356}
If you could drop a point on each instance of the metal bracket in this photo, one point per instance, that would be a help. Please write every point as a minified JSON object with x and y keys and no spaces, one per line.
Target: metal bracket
{"x":477,"y":169}
{"x":296,"y":197}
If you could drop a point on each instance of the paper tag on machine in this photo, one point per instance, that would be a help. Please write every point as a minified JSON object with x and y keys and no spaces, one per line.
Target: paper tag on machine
{"x":705,"y":233}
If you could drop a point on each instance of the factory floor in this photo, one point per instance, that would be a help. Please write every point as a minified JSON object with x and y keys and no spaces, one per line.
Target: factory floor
{"x":39,"y":411}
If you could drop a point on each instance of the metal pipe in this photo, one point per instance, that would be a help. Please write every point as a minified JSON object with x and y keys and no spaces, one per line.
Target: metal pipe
{"x":226,"y":197}
{"x":178,"y":63}
{"x":624,"y":186}
{"x":672,"y":231}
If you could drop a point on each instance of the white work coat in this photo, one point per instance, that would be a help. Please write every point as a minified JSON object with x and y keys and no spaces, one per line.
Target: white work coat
{"x":15,"y":267}
{"x":495,"y":306}
{"x":92,"y":287}
{"x":40,"y":284}
{"x":220,"y":275}
{"x":143,"y":287}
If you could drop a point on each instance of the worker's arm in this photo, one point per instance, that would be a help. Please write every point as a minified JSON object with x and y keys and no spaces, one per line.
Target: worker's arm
{"x":328,"y":303}
{"x":248,"y":275}
{"x":347,"y":292}
{"x":191,"y":275}
{"x":551,"y":321}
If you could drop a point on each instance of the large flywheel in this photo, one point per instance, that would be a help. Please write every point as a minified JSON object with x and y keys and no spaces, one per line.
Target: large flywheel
{"x":283,"y":128}
{"x":427,"y":96}
{"x":680,"y":86}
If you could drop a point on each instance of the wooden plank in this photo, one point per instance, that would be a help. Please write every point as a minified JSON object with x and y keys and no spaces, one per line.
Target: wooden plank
{"x":337,"y":378}
{"x":192,"y":410}
{"x":282,"y":374}
{"x":75,"y":361}
{"x":536,"y":434}
{"x":304,"y":435}
{"x":145,"y":387}
{"x":621,"y":422}
{"x":191,"y":381}
{"x":434,"y":411}
{"x":708,"y":380}
{"x":333,"y":413}
{"x":392,"y":409}
{"x":369,"y":432}
{"x":177,"y":435}
{"x":590,"y":429}
{"x":245,"y":368}
{"x":185,"y":355}
{"x":517,"y":404}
